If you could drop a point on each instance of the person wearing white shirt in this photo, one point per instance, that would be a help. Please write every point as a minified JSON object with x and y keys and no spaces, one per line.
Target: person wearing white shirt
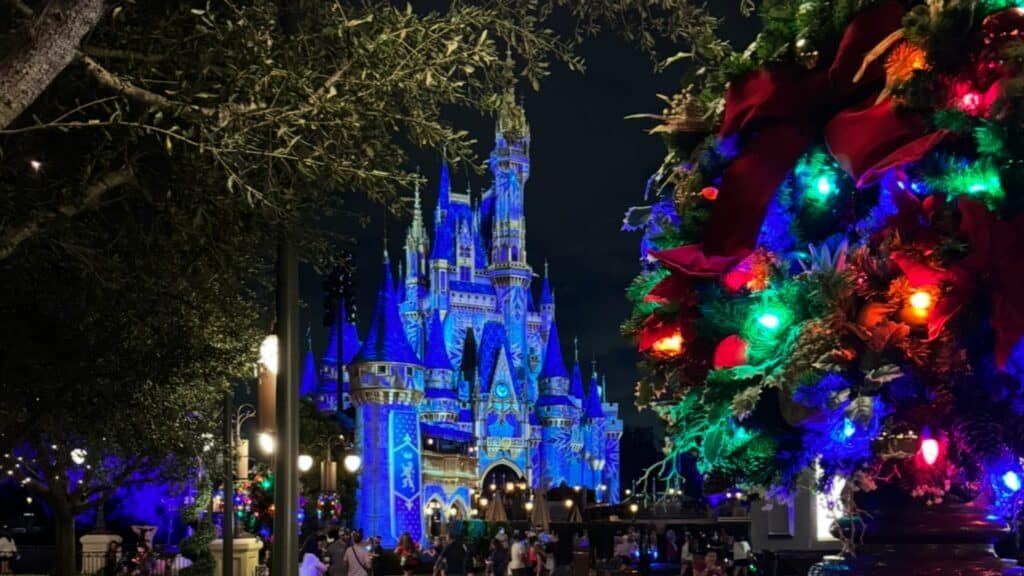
{"x":741,"y":556}
{"x":517,"y":555}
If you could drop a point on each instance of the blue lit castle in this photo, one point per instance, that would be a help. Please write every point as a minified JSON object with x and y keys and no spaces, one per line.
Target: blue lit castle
{"x":460,"y":381}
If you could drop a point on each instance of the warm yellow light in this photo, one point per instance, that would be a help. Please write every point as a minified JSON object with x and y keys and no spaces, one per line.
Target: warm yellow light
{"x":568,"y":503}
{"x":528,"y":506}
{"x":669,"y":345}
{"x":510,"y":486}
{"x":634,"y":508}
{"x":483,"y":502}
{"x":921,"y":301}
{"x":268,"y":353}
{"x":267,"y":442}
{"x":305,"y":462}
{"x":352,"y":462}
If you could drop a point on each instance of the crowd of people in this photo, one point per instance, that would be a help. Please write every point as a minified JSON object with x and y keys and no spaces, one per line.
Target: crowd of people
{"x":714,"y":553}
{"x":346,"y":553}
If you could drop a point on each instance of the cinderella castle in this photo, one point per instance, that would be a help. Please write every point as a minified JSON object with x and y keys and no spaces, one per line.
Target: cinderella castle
{"x":460,"y":382}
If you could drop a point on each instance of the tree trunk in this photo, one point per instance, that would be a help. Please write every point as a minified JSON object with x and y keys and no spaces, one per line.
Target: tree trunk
{"x":53,"y":44}
{"x":66,"y":547}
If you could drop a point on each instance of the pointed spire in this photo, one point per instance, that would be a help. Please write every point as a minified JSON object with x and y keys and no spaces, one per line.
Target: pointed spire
{"x":593,"y":368}
{"x":436,"y":357}
{"x":386,"y":340}
{"x":604,"y":386}
{"x":593,"y":409}
{"x":401,"y":277}
{"x":547,"y":297}
{"x":576,"y":384}
{"x":417,"y":210}
{"x":445,"y":189}
{"x":554,"y":366}
{"x":350,"y":342}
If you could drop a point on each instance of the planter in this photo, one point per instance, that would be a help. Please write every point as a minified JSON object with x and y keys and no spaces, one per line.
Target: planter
{"x":906,"y":538}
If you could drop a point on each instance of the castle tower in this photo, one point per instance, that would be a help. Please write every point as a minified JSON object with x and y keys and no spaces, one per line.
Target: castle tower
{"x":612,"y":435}
{"x":417,"y":280}
{"x":577,"y":467}
{"x":510,"y":273}
{"x":442,"y":401}
{"x":386,"y":389}
{"x":594,"y":439}
{"x":557,"y":414}
{"x":443,"y":253}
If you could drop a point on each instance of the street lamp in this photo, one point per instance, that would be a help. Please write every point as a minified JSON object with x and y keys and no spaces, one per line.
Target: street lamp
{"x":78,"y":456}
{"x":267,"y":442}
{"x":352,"y":463}
{"x":528,"y":505}
{"x":305,"y":462}
{"x":568,"y":503}
{"x":483,"y":502}
{"x":510,"y":487}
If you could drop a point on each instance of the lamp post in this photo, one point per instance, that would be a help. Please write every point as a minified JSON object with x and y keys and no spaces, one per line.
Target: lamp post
{"x":284,"y":560}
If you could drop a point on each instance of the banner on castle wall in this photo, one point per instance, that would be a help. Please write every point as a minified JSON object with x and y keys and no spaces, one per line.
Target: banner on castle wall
{"x":406,"y":494}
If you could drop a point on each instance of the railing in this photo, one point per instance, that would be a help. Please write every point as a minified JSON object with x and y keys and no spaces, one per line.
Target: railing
{"x":158,"y":565}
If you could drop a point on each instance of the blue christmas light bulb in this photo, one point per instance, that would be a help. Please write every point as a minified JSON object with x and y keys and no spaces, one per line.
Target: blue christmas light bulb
{"x":848,"y":428}
{"x":1011,"y":480}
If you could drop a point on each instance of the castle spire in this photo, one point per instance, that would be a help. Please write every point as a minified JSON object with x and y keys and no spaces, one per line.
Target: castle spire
{"x":436,"y":357}
{"x":445,"y":190}
{"x":386,"y":340}
{"x":554,"y":366}
{"x":547,"y":298}
{"x":417,"y":209}
{"x":308,"y":385}
{"x":593,"y":409}
{"x":576,"y":384}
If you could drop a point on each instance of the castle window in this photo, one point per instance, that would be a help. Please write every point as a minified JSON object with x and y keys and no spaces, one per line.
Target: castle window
{"x":382,"y":369}
{"x":464,"y":273}
{"x":515,"y":254}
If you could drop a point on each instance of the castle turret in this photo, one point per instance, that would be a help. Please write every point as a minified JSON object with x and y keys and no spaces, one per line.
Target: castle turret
{"x":612,"y":435}
{"x":556,"y":412}
{"x":594,"y":439}
{"x":416,"y":281}
{"x":387,"y":388}
{"x":547,"y":300}
{"x":442,"y":401}
{"x":309,"y":385}
{"x":441,"y":258}
{"x":510,"y":273}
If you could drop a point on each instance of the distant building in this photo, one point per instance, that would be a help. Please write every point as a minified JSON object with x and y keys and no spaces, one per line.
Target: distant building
{"x":460,"y":381}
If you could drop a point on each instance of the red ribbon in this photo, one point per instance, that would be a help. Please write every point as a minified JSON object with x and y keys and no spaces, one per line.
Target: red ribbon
{"x":996,"y":259}
{"x":777,"y":114}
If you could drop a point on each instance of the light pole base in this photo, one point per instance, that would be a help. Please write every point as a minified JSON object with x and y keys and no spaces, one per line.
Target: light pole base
{"x":246,"y":555}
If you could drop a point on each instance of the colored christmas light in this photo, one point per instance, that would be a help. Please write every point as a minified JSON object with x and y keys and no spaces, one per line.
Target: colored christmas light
{"x":769,"y":320}
{"x":709,"y":193}
{"x":824,"y":186}
{"x":921,"y":302}
{"x":1011,"y":480}
{"x":849,"y":429}
{"x":669,"y":345}
{"x":930,"y":450}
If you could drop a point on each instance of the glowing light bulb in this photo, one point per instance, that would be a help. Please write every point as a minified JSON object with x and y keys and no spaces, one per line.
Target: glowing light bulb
{"x":769,"y":320}
{"x":1011,"y":480}
{"x":848,"y":428}
{"x":634,"y":508}
{"x":930,"y":450}
{"x":709,"y":193}
{"x":35,"y":164}
{"x":669,"y":345}
{"x":824,"y":186}
{"x":305,"y":462}
{"x":920,"y":301}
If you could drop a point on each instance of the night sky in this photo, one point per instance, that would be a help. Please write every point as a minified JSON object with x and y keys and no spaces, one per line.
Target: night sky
{"x":588,"y":165}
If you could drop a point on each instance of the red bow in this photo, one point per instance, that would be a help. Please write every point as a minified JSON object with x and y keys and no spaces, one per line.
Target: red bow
{"x":996,"y":259}
{"x":778,"y":113}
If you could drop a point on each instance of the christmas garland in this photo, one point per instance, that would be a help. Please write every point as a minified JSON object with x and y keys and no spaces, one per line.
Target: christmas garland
{"x":835,"y":277}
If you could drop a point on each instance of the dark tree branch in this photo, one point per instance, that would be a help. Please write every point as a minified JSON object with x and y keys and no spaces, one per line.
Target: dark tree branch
{"x":108,"y":79}
{"x":56,"y":35}
{"x":12,"y":238}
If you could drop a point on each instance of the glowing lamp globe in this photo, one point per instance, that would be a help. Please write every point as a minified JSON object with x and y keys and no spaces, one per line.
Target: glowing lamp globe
{"x":510,"y":486}
{"x":930,"y":450}
{"x":568,"y":503}
{"x":634,"y":508}
{"x":483,"y":502}
{"x":78,"y":456}
{"x":352,"y":462}
{"x":1011,"y":480}
{"x":266,"y":442}
{"x":528,"y":506}
{"x":769,"y":320}
{"x":269,"y":353}
{"x":305,"y":462}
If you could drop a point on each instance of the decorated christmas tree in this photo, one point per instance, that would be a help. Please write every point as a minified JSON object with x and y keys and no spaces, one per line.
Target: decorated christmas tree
{"x":833,"y":259}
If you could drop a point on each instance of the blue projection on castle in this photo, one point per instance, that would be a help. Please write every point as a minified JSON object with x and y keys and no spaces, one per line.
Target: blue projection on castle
{"x":460,"y":373}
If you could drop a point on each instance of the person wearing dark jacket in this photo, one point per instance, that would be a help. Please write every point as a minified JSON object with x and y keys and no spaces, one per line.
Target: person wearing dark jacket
{"x":454,"y":557}
{"x":499,"y":559}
